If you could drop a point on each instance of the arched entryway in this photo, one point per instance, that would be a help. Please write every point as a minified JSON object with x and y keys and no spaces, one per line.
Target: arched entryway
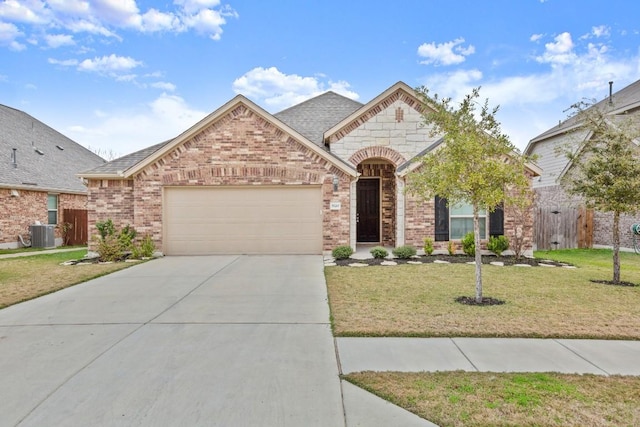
{"x":376,"y":202}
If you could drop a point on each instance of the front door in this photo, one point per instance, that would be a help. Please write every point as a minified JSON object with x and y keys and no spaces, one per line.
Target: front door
{"x":368,"y":210}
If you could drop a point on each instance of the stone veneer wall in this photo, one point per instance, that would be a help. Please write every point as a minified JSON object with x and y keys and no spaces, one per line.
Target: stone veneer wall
{"x":385,"y":126}
{"x":240,"y":148}
{"x":555,"y":197}
{"x":386,"y":172}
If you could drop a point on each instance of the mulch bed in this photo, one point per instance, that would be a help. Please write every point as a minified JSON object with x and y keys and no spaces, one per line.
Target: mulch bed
{"x":612,"y":283}
{"x":485,"y":301}
{"x":454,"y":259}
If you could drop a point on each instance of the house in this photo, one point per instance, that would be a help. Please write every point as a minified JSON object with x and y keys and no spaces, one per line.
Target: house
{"x":327,"y":172}
{"x":561,"y":221}
{"x":38,"y":179}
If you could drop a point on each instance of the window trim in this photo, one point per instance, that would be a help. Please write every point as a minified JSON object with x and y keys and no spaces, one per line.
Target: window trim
{"x":56,"y":210}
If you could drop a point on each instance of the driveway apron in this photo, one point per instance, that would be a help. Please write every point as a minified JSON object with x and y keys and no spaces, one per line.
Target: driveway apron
{"x":179,"y":341}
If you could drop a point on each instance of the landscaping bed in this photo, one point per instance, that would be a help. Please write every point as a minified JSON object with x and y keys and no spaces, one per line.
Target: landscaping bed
{"x":454,"y":259}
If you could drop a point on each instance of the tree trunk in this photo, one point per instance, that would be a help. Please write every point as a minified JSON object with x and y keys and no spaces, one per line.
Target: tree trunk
{"x":616,"y":247}
{"x":478,"y":255}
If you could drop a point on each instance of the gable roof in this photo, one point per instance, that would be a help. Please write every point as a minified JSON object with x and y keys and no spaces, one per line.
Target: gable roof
{"x":314,"y":116}
{"x":399,"y":90}
{"x":626,"y":99}
{"x":131,"y":164}
{"x":45,"y":160}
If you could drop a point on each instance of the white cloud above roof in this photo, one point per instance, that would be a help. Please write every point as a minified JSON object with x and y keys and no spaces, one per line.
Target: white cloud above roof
{"x":57,"y":40}
{"x":448,"y":53}
{"x":278,"y":90}
{"x":36,"y":18}
{"x":109,"y":64}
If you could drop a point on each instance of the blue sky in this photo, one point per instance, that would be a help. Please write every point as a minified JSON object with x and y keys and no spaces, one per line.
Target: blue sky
{"x":120,"y":75}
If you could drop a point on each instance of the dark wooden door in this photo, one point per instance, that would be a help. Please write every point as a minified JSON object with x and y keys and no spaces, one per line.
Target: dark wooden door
{"x":368,"y":210}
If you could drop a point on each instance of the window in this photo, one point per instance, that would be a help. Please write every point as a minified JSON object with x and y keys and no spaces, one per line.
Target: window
{"x":52,"y":208}
{"x":453,"y":222}
{"x":461,"y":221}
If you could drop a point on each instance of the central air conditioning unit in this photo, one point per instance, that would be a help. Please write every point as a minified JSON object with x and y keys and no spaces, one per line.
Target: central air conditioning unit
{"x":42,"y":236}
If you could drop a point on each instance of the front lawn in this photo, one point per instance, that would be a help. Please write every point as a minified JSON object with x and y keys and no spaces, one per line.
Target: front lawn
{"x":418,"y":300}
{"x":511,"y":399}
{"x":29,"y":277}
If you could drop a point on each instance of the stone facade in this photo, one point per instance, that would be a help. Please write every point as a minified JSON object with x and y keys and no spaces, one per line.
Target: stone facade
{"x":395,"y":123}
{"x":18,"y":212}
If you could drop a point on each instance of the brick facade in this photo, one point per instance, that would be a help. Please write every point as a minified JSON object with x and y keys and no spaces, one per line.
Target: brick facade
{"x":17,"y":213}
{"x":239,"y":149}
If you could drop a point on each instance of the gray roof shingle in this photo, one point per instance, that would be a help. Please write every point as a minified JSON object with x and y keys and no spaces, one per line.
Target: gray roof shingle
{"x":310,"y":118}
{"x":623,"y":100}
{"x":125,"y":162}
{"x":53,"y":170}
{"x":314,"y":116}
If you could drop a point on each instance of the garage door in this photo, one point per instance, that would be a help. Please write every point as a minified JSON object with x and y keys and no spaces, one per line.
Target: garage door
{"x":243,"y":220}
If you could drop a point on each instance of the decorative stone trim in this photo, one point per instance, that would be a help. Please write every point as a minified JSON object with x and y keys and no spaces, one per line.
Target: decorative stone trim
{"x":377,"y":152}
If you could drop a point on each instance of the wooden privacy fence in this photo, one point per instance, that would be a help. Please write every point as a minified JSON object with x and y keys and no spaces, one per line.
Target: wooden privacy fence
{"x":563,"y":228}
{"x":77,"y":230}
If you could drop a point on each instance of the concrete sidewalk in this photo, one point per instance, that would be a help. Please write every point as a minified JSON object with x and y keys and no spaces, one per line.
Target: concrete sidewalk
{"x":43,"y":252}
{"x":598,"y":357}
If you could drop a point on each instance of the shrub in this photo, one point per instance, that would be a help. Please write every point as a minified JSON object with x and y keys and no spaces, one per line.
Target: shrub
{"x":110,"y":249}
{"x":404,"y":252}
{"x":379,"y":252}
{"x":106,"y":228}
{"x":342,"y":252}
{"x":451,"y":248}
{"x":147,"y":247}
{"x":126,"y":237}
{"x":468,"y":244}
{"x":498,"y":244}
{"x":428,"y":245}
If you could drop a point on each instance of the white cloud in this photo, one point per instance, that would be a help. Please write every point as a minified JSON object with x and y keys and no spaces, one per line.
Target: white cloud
{"x":124,"y":132}
{"x":278,"y":90}
{"x":558,"y":52}
{"x":57,"y":40}
{"x":8,"y":35}
{"x":109,"y":64}
{"x":536,"y":37}
{"x":532,"y":103}
{"x":63,"y":62}
{"x":106,"y":17}
{"x":447,"y":53}
{"x":169,"y":87}
{"x":31,"y":12}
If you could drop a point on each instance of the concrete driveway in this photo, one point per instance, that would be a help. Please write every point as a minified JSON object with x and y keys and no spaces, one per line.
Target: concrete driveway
{"x":179,"y":341}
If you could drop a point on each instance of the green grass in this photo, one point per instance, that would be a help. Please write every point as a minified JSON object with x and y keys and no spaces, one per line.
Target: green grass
{"x":24,"y":278}
{"x":419,"y":300}
{"x":509,"y":399}
{"x":23,"y":250}
{"x":599,"y":258}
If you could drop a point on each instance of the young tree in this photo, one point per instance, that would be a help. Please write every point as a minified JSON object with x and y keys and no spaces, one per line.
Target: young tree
{"x":605,"y":168}
{"x":476,"y":163}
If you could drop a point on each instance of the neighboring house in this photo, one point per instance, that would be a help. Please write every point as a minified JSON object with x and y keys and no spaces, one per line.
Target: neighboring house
{"x":327,"y":172}
{"x":561,"y":222}
{"x":38,"y":176}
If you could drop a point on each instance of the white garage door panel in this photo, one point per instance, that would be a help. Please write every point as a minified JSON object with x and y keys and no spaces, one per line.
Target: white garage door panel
{"x":245,"y":220}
